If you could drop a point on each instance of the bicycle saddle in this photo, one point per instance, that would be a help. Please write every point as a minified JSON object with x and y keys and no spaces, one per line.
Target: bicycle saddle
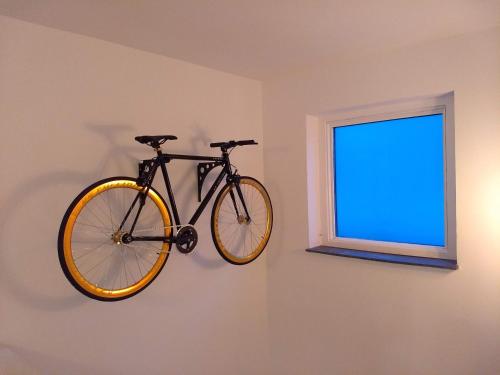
{"x":154,"y":140}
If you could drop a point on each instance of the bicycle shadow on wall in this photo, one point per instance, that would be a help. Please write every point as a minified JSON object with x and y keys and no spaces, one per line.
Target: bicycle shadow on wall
{"x":32,"y":204}
{"x":29,"y":222}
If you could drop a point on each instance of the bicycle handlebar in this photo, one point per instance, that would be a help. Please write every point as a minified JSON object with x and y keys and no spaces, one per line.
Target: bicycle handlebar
{"x":233,"y":143}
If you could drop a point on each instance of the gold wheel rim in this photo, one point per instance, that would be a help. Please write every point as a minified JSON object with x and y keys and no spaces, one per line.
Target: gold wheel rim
{"x":68,"y":253}
{"x":268,"y":224}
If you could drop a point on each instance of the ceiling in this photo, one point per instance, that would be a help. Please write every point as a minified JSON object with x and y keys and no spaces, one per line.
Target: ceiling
{"x":260,"y":37}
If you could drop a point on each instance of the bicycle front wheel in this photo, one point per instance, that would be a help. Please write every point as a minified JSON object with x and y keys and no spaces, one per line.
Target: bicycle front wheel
{"x":92,"y":252}
{"x":239,"y":238}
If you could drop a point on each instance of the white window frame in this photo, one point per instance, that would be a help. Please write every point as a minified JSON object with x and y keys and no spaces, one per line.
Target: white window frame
{"x":442,"y":104}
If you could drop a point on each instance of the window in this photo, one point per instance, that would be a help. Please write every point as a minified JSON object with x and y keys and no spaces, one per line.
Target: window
{"x":391,"y":183}
{"x":389,"y":180}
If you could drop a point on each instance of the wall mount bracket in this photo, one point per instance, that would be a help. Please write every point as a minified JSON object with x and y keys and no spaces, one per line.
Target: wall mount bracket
{"x":203,"y":170}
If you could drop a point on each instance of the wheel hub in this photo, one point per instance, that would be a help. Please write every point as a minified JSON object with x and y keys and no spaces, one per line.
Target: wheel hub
{"x":243,"y":219}
{"x":120,"y":237}
{"x":117,"y":237}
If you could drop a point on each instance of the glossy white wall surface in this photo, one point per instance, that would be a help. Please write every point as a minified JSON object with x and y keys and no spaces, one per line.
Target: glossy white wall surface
{"x":332,"y":315}
{"x":69,"y":109}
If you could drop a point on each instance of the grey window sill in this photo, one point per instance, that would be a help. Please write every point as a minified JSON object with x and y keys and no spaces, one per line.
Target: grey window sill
{"x":390,"y":258}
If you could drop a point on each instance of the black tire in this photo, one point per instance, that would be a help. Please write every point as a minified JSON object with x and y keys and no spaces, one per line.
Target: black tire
{"x":238,"y":228}
{"x":66,"y":232}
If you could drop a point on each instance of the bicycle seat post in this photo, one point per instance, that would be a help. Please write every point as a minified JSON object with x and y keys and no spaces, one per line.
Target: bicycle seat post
{"x":157,"y":148}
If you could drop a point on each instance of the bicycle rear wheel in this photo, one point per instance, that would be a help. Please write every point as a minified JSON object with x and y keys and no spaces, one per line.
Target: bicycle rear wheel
{"x":91,"y":251}
{"x":238,"y":239}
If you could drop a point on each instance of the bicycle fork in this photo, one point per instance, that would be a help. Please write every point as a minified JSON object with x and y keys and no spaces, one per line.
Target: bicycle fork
{"x":241,"y":218}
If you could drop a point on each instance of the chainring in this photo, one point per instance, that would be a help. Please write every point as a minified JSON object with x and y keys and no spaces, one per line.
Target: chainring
{"x":186,"y":239}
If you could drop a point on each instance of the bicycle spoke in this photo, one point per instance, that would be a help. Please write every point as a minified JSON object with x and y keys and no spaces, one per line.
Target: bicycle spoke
{"x":93,"y":214}
{"x":109,"y":210}
{"x":138,"y":264}
{"x":98,"y":263}
{"x":89,"y":251}
{"x":94,"y":226}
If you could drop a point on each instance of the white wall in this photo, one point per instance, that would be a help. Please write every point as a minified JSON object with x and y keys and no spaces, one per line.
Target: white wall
{"x":69,"y":109}
{"x":332,"y":315}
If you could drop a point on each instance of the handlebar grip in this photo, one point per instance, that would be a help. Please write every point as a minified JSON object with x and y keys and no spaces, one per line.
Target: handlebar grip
{"x":247,"y":142}
{"x":233,"y":143}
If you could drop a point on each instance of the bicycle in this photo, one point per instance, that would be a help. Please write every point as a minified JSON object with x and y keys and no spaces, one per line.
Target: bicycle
{"x":117,"y":234}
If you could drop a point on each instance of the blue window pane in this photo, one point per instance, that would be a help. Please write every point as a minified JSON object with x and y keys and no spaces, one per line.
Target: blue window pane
{"x":389,"y":181}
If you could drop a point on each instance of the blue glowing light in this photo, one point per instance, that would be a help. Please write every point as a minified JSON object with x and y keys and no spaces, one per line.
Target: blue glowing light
{"x":389,"y":180}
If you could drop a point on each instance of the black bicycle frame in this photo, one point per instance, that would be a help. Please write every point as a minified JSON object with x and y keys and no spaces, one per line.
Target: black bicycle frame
{"x":161,"y":161}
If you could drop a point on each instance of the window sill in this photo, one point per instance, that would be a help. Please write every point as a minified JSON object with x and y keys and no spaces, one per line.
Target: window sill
{"x":390,"y":258}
